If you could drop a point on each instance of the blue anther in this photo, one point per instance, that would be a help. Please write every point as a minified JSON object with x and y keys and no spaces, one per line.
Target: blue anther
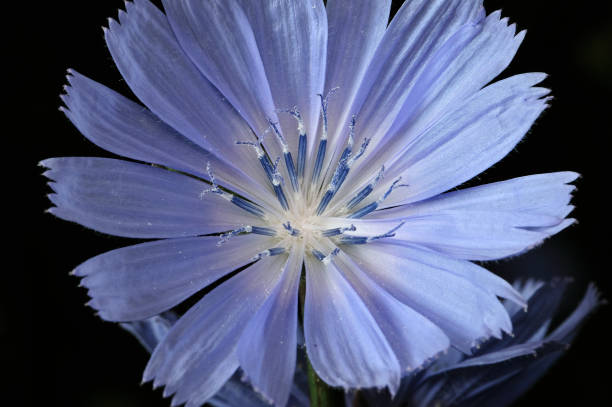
{"x":291,"y":170}
{"x":360,"y":213}
{"x":323,"y":258}
{"x":227,"y":236}
{"x":258,"y":230}
{"x":364,"y":239}
{"x":329,"y":194}
{"x":320,"y":256}
{"x":319,"y":160}
{"x":301,"y":163}
{"x":287,"y":155}
{"x":240,"y":202}
{"x":374,"y":205}
{"x":339,"y":176}
{"x":292,"y":231}
{"x":361,"y":195}
{"x":247,"y":206}
{"x":338,"y":231}
{"x":275,"y":251}
{"x":271,"y":171}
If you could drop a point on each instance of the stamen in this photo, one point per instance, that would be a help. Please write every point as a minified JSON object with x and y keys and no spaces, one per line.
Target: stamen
{"x":271,"y":171}
{"x":351,"y":140}
{"x":240,"y":202}
{"x":342,"y":170}
{"x":367,"y":190}
{"x":287,"y":155}
{"x":301,"y":161}
{"x":338,"y":231}
{"x":258,"y":230}
{"x":364,"y":239}
{"x":323,"y":143}
{"x":227,"y":236}
{"x":275,"y":251}
{"x":292,"y":231}
{"x":374,"y":205}
{"x":323,"y":258}
{"x":277,"y":181}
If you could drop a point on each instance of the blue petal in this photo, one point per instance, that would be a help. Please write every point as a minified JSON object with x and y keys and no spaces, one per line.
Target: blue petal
{"x":134,"y":200}
{"x":123,"y":127}
{"x":292,"y":41}
{"x":467,"y":313}
{"x":219,"y":40}
{"x":157,"y":70}
{"x":476,"y":53}
{"x":413,"y":338}
{"x":344,"y":344}
{"x":140,"y":281}
{"x":470,"y":235}
{"x":485,"y":222}
{"x":198,"y":355}
{"x":545,"y":194}
{"x":266,"y":349}
{"x":355,"y":30}
{"x":455,"y":73}
{"x":467,"y":141}
{"x":414,"y":35}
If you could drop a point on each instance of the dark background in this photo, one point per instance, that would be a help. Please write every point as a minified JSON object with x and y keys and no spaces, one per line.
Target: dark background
{"x":68,"y":356}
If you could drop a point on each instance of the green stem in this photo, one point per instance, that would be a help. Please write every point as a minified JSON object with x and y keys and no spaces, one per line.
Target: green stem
{"x":321,"y":395}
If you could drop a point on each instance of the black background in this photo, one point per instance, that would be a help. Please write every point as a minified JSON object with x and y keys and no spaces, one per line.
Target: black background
{"x":69,"y":357}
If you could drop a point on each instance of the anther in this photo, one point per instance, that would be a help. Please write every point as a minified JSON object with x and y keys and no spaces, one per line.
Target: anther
{"x":275,"y":251}
{"x":323,"y":258}
{"x":301,"y":161}
{"x":239,"y":202}
{"x":364,"y":239}
{"x":367,"y":190}
{"x":323,"y":142}
{"x":342,"y":170}
{"x":287,"y":155}
{"x":227,"y":236}
{"x":292,"y":231}
{"x":374,"y":205}
{"x":271,"y":171}
{"x":337,"y":231}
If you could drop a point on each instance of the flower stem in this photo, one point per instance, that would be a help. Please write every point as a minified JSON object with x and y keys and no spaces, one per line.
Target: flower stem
{"x":321,"y":395}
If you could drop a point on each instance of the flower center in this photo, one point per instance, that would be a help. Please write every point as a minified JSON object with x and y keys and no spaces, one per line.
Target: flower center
{"x":306,"y":217}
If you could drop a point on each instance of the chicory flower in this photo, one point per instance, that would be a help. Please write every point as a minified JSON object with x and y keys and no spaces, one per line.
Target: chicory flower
{"x":286,"y":135}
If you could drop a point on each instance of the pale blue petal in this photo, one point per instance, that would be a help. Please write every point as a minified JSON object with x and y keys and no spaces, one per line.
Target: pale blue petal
{"x":198,"y":355}
{"x":140,"y":281}
{"x":545,"y":194}
{"x":267,"y":347}
{"x":292,"y":40}
{"x":470,"y":235}
{"x":133,"y":200}
{"x":455,"y":73}
{"x":414,"y":35}
{"x":343,"y":341}
{"x":123,"y":127}
{"x":355,"y":30}
{"x":218,"y":38}
{"x":467,"y":141}
{"x":467,"y":313}
{"x":157,"y":70}
{"x":485,"y":222}
{"x":414,"y":339}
